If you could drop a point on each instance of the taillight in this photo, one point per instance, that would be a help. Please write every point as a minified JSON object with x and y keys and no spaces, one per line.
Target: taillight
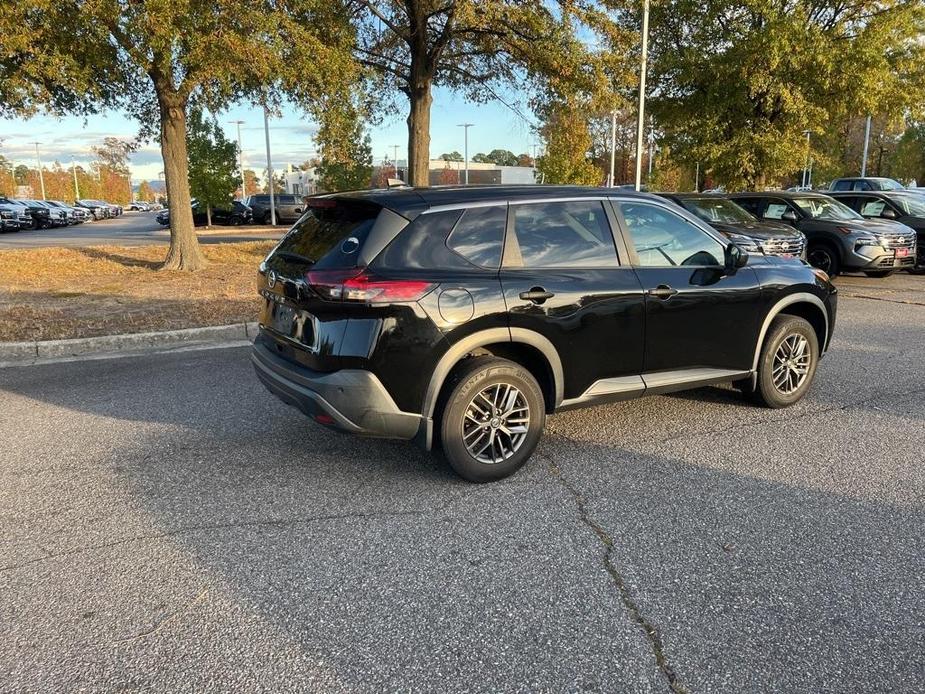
{"x":356,"y":285}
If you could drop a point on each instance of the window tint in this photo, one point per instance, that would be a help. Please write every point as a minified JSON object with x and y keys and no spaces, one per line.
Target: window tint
{"x":752,"y":205}
{"x":775,"y":209}
{"x":663,"y":239}
{"x":479,"y":235}
{"x":422,"y":245}
{"x":872,"y":208}
{"x":842,"y":185}
{"x":862,"y":185}
{"x":563,"y":234}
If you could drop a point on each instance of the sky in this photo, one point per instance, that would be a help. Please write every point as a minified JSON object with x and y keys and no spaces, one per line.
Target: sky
{"x":495,"y":126}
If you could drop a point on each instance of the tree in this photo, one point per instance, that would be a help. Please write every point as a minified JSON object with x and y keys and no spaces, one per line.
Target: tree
{"x":346,"y":152}
{"x":501,"y":157}
{"x":479,"y":47}
{"x":452,"y":156}
{"x":568,"y":144}
{"x":145,"y":192}
{"x":524,"y":160}
{"x":734,"y":84}
{"x":212,"y":162}
{"x":251,"y":183}
{"x":909,"y":161}
{"x":154,"y":58}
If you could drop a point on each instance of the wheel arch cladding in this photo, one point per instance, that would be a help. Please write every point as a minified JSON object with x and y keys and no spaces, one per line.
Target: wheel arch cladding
{"x":801,"y":304}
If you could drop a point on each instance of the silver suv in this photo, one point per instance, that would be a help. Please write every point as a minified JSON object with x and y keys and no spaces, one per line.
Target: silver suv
{"x":288,"y":207}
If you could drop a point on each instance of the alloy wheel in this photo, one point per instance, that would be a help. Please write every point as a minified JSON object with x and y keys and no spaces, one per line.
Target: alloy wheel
{"x":496,"y":423}
{"x":820,"y":258}
{"x":791,"y":364}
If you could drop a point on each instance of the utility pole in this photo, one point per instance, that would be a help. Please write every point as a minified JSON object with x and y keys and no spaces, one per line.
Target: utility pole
{"x":395,"y":160}
{"x":266,"y":132}
{"x":241,"y":160}
{"x":465,"y":127}
{"x":651,"y":150}
{"x":38,"y":160}
{"x":866,"y":143}
{"x":76,"y":187}
{"x":640,"y":122}
{"x":808,"y":134}
{"x":697,"y":178}
{"x":613,"y":146}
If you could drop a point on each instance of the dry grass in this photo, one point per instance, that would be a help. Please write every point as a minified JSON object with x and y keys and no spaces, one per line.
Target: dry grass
{"x":51,"y":293}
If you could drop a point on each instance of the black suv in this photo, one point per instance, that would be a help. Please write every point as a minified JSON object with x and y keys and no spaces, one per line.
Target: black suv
{"x":288,"y":207}
{"x":837,"y":237}
{"x":901,"y":206}
{"x":461,"y":317}
{"x":740,"y":226}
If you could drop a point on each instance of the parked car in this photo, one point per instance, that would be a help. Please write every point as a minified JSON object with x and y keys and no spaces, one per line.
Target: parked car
{"x":460,"y":317}
{"x":24,"y":218}
{"x":866,"y":183}
{"x":39,"y":215}
{"x":235,"y":214}
{"x":56,"y":216}
{"x":139,"y":206}
{"x":76,"y":215}
{"x":98,"y":209}
{"x":740,"y":226}
{"x":288,"y":207}
{"x":837,"y":237}
{"x":905,"y":207}
{"x":9,"y":218}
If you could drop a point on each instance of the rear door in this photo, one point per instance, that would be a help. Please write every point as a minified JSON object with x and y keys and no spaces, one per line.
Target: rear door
{"x":562,"y":278}
{"x":698,"y":316}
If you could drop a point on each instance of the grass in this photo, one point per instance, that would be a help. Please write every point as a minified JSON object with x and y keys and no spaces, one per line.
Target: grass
{"x":52,"y":293}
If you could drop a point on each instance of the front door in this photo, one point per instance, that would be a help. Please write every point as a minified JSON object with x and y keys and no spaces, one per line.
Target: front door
{"x":562,"y":278}
{"x":698,"y":315}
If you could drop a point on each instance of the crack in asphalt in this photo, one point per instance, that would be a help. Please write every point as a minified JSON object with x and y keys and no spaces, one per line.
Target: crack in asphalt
{"x":652,"y":634}
{"x":883,"y":298}
{"x":172,"y":617}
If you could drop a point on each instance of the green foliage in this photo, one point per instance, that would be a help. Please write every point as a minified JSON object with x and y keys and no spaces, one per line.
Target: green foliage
{"x":346,"y":152}
{"x":568,"y":142}
{"x":736,"y":83}
{"x":501,"y":157}
{"x":145,"y":192}
{"x":909,"y":159}
{"x":451,"y":156}
{"x":212,"y":161}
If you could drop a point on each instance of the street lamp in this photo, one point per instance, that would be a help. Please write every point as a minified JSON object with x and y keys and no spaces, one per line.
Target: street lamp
{"x":395,"y":160}
{"x":465,"y":127}
{"x":866,"y":143}
{"x":76,"y":187}
{"x":808,"y":133}
{"x":38,"y":160}
{"x":241,"y":160}
{"x":640,"y":118}
{"x":266,"y":132}
{"x":613,"y":146}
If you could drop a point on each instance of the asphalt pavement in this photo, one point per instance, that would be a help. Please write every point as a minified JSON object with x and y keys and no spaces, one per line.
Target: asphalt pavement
{"x":167,"y":525}
{"x":131,"y":229}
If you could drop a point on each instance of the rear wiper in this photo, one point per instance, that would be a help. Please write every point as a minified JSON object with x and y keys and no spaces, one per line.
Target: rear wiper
{"x":297,"y":257}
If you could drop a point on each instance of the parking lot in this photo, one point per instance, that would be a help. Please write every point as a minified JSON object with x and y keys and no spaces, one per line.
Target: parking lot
{"x":168,"y":525}
{"x":131,"y":229}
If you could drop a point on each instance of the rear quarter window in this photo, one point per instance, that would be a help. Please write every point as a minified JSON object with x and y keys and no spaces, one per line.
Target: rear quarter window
{"x":422,"y":245}
{"x":479,"y":235}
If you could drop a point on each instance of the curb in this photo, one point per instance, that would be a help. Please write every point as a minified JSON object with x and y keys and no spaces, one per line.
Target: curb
{"x":13,"y":353}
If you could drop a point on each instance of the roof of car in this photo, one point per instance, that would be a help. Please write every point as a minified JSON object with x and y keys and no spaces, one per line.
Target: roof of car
{"x":694,"y":196}
{"x":787,"y":194}
{"x":408,"y":199}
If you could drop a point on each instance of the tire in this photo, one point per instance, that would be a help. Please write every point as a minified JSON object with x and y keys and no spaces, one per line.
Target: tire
{"x":786,"y":336}
{"x":267,"y":218}
{"x":824,"y":257}
{"x":878,"y":273}
{"x":235,"y":221}
{"x":461,"y":439}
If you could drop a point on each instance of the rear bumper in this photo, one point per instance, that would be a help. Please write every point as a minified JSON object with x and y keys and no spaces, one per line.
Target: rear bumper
{"x":350,"y":400}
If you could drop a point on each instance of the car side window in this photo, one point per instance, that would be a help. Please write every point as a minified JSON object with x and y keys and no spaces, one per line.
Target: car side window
{"x":862,"y":185}
{"x":752,"y":205}
{"x":563,"y":235}
{"x":479,"y":235}
{"x":872,"y":208}
{"x":664,"y":239}
{"x":842,"y":185}
{"x":775,"y":209}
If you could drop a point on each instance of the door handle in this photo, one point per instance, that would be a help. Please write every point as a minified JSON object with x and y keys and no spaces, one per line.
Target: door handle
{"x":537,"y":295}
{"x":662,"y":291}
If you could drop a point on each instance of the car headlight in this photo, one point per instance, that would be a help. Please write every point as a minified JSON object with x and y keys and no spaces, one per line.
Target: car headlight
{"x":746,"y":243}
{"x":867,"y":241}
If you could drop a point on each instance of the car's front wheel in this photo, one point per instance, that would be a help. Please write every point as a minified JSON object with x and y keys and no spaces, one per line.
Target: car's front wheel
{"x":492,"y":418}
{"x":787,"y":363}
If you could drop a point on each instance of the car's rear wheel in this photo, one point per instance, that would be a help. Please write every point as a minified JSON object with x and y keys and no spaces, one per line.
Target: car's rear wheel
{"x":492,"y":418}
{"x":824,"y":257}
{"x":267,"y":218}
{"x":787,"y":363}
{"x":878,"y":273}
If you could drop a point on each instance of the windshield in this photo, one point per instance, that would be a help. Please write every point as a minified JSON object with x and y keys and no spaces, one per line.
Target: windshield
{"x":890,"y":184}
{"x":717,"y":210}
{"x":826,"y":208}
{"x":910,"y":204}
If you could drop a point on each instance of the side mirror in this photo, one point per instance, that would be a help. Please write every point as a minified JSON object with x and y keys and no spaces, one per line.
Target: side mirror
{"x":790,"y":217}
{"x":734,"y":258}
{"x":888,"y":213}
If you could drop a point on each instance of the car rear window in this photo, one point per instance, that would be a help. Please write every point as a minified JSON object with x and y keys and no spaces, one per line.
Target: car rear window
{"x":422,"y":245}
{"x":479,"y":235}
{"x":328,"y":236}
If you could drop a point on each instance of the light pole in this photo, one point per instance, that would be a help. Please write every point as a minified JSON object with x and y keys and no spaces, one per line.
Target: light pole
{"x":613,"y":146}
{"x":697,"y":178}
{"x":395,"y":160}
{"x":266,"y":132}
{"x":241,"y":160}
{"x":76,"y":187}
{"x":651,"y":150}
{"x":808,"y":133}
{"x":38,"y":160}
{"x":465,"y":127}
{"x":866,"y":143}
{"x":640,"y":121}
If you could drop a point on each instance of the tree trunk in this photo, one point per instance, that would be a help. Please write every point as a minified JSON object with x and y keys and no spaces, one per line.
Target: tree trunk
{"x":419,"y":134}
{"x":208,"y":215}
{"x":185,"y":252}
